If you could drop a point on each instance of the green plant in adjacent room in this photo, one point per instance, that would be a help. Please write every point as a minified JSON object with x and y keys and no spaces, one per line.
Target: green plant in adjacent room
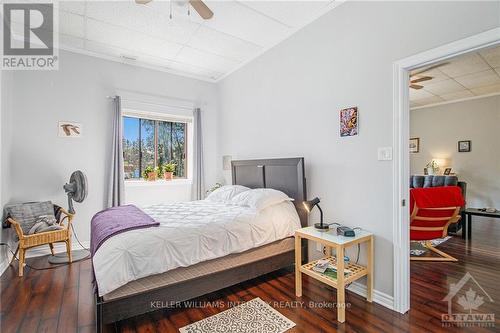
{"x":432,"y":167}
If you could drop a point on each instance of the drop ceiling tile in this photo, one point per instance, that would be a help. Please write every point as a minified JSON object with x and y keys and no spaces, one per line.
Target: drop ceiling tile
{"x":117,"y":52}
{"x":242,"y":22}
{"x":495,"y":88}
{"x":110,"y":50}
{"x":476,"y":80}
{"x":123,"y":38}
{"x":466,"y":64}
{"x":180,"y":10}
{"x":291,"y":13}
{"x":219,"y":43}
{"x":71,"y":24}
{"x":202,"y":59}
{"x":430,"y":100}
{"x":71,"y":42}
{"x":75,"y":7}
{"x":416,"y":94}
{"x":436,"y":75}
{"x":492,"y":56}
{"x":443,"y":87}
{"x":143,"y":19}
{"x":181,"y":67}
{"x":457,"y":95}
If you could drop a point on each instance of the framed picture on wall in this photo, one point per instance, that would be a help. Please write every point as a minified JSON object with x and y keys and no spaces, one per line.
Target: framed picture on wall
{"x":69,"y":129}
{"x":447,"y":171}
{"x":349,"y":122}
{"x":414,"y":145}
{"x":464,"y":146}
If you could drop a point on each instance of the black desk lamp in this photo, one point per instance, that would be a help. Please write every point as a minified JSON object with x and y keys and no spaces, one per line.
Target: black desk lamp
{"x":309,"y":205}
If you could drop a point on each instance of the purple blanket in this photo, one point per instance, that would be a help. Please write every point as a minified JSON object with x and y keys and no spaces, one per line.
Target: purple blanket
{"x":115,"y":220}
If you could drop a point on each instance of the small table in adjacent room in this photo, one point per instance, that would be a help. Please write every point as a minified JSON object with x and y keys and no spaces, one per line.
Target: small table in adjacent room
{"x":346,"y":272}
{"x":469,"y":212}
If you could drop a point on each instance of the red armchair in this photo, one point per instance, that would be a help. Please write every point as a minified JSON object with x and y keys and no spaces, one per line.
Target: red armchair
{"x":433,"y":209}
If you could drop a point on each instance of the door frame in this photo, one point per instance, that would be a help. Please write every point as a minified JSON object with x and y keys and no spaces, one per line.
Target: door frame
{"x":401,"y":136}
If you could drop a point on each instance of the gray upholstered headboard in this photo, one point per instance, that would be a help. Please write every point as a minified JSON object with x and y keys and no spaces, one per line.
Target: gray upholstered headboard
{"x":283,"y":174}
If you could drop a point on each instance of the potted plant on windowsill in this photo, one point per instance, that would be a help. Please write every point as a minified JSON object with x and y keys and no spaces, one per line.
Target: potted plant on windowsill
{"x":168,"y":171}
{"x":149,"y":173}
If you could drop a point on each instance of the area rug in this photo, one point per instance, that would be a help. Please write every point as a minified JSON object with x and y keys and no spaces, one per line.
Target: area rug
{"x":252,"y":316}
{"x":418,"y":249}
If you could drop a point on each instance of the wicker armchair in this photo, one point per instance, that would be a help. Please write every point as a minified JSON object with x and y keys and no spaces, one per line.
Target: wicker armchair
{"x":48,"y":237}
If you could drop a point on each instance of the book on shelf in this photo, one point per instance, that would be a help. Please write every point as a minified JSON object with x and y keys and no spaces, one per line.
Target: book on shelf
{"x":331,"y":272}
{"x":324,"y":266}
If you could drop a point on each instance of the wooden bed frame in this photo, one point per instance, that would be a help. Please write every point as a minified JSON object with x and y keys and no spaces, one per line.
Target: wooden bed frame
{"x":284,"y":174}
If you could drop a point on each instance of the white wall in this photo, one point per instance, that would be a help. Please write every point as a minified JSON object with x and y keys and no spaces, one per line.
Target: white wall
{"x":287,"y":102}
{"x":441,"y":127}
{"x":5,"y":147}
{"x":40,"y":162}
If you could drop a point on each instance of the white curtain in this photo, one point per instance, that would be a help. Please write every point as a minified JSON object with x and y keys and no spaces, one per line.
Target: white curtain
{"x":116,"y":188}
{"x":198,"y":190}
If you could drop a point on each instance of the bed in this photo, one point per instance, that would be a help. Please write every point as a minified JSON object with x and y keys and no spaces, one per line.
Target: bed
{"x":253,"y":245}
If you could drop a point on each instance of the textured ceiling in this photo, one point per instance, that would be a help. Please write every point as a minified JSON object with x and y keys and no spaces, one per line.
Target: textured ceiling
{"x":468,"y":76}
{"x":185,"y":44}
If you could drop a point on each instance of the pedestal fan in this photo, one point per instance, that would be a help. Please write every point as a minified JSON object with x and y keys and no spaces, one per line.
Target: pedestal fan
{"x":76,"y":190}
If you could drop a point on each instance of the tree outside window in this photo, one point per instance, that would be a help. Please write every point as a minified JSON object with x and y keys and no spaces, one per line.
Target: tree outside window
{"x":149,"y":142}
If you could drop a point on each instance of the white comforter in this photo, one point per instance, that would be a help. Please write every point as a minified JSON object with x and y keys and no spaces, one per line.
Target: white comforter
{"x":189,"y":233}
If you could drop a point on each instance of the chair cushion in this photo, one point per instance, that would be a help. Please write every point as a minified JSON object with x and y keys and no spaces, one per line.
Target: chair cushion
{"x":28,"y":213}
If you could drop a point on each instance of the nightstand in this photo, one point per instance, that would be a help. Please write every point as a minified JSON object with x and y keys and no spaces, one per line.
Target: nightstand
{"x":331,"y":241}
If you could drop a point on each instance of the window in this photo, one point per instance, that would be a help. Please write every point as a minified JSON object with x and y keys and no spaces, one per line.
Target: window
{"x":148,"y":142}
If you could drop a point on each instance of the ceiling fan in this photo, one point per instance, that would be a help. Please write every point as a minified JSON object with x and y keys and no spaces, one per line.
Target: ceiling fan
{"x":198,"y":5}
{"x":413,"y":82}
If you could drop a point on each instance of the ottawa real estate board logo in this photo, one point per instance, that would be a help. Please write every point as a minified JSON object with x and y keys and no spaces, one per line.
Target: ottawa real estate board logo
{"x":468,"y":305}
{"x":29,"y":36}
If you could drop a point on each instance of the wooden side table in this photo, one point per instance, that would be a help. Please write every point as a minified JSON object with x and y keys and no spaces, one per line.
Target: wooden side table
{"x":331,"y":241}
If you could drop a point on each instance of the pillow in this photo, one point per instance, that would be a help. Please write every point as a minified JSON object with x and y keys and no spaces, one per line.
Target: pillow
{"x":260,"y":198}
{"x":226,"y":193}
{"x":28,"y":213}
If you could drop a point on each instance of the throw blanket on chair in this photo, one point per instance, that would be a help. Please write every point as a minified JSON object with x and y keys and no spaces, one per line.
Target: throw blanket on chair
{"x":115,"y":220}
{"x":432,"y":210}
{"x":433,"y":197}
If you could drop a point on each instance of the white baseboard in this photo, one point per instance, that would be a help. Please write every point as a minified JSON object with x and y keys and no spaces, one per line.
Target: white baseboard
{"x":378,"y":296}
{"x":42,"y":250}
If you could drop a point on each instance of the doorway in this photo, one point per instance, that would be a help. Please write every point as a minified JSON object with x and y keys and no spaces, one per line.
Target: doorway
{"x":401,"y":137}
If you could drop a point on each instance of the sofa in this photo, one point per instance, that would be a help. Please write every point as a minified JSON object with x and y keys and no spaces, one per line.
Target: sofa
{"x":417,"y":181}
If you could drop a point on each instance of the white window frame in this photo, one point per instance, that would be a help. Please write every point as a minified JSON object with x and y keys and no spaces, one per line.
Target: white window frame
{"x":160,"y":116}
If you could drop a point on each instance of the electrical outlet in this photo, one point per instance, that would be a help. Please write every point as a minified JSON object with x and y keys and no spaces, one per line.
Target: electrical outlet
{"x":319,"y":247}
{"x":384,"y":153}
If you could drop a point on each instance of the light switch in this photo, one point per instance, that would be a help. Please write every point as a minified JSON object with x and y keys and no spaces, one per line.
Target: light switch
{"x":385,"y":153}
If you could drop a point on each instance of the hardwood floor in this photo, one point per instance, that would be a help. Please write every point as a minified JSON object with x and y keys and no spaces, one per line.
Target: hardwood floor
{"x":60,"y":300}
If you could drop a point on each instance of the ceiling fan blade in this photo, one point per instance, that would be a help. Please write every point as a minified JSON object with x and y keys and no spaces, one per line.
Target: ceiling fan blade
{"x":202,"y":9}
{"x":142,"y":2}
{"x":416,"y":86}
{"x":421,"y":79}
{"x":429,"y":68}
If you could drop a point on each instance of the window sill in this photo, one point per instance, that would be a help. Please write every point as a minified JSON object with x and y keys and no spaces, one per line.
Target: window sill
{"x":161,"y":182}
